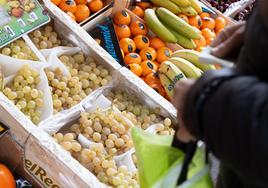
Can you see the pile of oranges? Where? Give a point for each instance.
(209, 28)
(142, 53)
(79, 10)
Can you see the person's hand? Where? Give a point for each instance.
(228, 40)
(180, 92)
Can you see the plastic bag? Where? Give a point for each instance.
(52, 55)
(160, 164)
(10, 72)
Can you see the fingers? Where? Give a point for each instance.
(180, 91)
(230, 44)
(226, 33)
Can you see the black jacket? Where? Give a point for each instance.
(228, 110)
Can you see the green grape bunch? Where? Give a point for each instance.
(23, 92)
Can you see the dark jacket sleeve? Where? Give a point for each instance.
(229, 112)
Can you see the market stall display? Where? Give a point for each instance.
(81, 10)
(70, 106)
(108, 132)
(146, 43)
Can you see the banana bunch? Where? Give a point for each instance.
(168, 26)
(183, 64)
(187, 7)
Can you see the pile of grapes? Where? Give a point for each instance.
(221, 5)
(245, 14)
(23, 92)
(109, 130)
(19, 50)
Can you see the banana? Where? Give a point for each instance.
(181, 3)
(172, 71)
(193, 57)
(177, 23)
(186, 67)
(168, 5)
(157, 27)
(196, 6)
(182, 40)
(167, 85)
(188, 11)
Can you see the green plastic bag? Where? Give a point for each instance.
(160, 164)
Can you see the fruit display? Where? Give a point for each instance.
(24, 93)
(245, 14)
(109, 133)
(45, 38)
(79, 10)
(85, 76)
(183, 64)
(20, 50)
(83, 104)
(147, 46)
(17, 8)
(224, 6)
(190, 31)
(142, 53)
(221, 5)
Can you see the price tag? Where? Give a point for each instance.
(19, 17)
(3, 129)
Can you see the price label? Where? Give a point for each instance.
(3, 129)
(19, 17)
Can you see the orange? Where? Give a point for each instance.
(151, 78)
(158, 88)
(68, 6)
(122, 31)
(138, 28)
(81, 2)
(163, 54)
(200, 42)
(132, 58)
(209, 40)
(219, 23)
(138, 11)
(157, 64)
(6, 178)
(141, 42)
(71, 15)
(199, 49)
(156, 43)
(148, 54)
(127, 45)
(195, 21)
(144, 5)
(204, 14)
(148, 67)
(207, 33)
(82, 12)
(218, 31)
(56, 2)
(136, 69)
(208, 23)
(95, 5)
(122, 18)
(184, 17)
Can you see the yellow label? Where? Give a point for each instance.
(40, 174)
